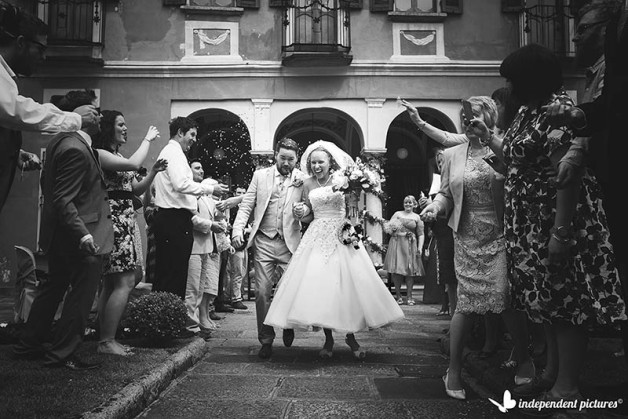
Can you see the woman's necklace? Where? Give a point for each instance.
(324, 184)
(477, 152)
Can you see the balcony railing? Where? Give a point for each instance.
(75, 28)
(551, 26)
(316, 32)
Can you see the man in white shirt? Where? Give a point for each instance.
(22, 47)
(176, 195)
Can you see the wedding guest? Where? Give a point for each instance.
(76, 233)
(123, 185)
(444, 245)
(562, 275)
(148, 202)
(238, 261)
(600, 114)
(471, 195)
(23, 42)
(204, 266)
(276, 233)
(404, 255)
(320, 286)
(175, 198)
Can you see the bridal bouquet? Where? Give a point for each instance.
(350, 234)
(390, 227)
(358, 177)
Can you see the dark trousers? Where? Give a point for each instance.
(66, 268)
(173, 242)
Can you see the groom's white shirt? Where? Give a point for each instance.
(256, 201)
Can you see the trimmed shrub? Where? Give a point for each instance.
(158, 316)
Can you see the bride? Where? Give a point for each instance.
(329, 284)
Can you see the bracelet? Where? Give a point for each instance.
(487, 141)
(146, 139)
(559, 240)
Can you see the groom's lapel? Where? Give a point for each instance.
(270, 183)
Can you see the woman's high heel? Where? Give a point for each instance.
(454, 394)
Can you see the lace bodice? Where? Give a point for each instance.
(477, 183)
(329, 214)
(327, 204)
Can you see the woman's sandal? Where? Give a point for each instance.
(112, 347)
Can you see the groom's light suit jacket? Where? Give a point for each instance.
(256, 201)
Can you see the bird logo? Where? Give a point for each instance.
(206, 40)
(508, 402)
(420, 42)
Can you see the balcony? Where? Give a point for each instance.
(316, 33)
(551, 26)
(75, 29)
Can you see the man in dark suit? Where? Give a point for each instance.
(607, 115)
(607, 112)
(76, 231)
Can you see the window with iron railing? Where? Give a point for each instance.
(551, 25)
(316, 26)
(75, 27)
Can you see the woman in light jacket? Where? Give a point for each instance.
(472, 196)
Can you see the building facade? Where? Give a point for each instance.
(254, 71)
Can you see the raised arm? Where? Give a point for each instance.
(442, 137)
(110, 161)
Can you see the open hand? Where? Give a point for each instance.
(160, 165)
(151, 134)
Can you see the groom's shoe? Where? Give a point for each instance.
(266, 351)
(288, 337)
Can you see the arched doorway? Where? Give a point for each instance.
(312, 124)
(223, 147)
(410, 157)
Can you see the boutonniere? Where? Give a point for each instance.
(297, 181)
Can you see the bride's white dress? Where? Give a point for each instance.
(327, 283)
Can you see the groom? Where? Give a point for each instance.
(275, 234)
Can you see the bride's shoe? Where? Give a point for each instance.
(327, 351)
(454, 394)
(357, 352)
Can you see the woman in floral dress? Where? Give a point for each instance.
(403, 257)
(123, 183)
(560, 260)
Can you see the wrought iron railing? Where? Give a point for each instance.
(72, 21)
(317, 26)
(551, 26)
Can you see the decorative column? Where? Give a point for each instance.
(261, 139)
(374, 205)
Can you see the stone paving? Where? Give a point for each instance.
(400, 378)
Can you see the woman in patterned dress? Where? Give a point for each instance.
(560, 261)
(122, 184)
(472, 195)
(403, 257)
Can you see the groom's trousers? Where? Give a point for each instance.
(270, 258)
